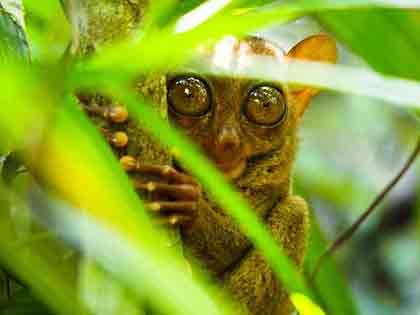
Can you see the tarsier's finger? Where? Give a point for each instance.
(187, 207)
(178, 191)
(169, 173)
(118, 139)
(115, 114)
(173, 220)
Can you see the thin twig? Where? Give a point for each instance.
(8, 289)
(7, 284)
(347, 234)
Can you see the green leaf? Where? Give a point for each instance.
(305, 306)
(332, 289)
(387, 39)
(23, 304)
(162, 13)
(13, 42)
(11, 166)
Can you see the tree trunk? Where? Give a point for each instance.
(94, 23)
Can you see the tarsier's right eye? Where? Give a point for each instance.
(189, 96)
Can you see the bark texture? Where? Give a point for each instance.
(95, 23)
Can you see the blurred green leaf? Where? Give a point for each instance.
(305, 306)
(23, 304)
(160, 13)
(13, 42)
(332, 289)
(11, 166)
(47, 30)
(43, 279)
(189, 33)
(391, 43)
(387, 39)
(120, 212)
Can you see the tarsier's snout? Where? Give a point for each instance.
(228, 152)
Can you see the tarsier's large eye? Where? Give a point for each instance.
(189, 96)
(265, 105)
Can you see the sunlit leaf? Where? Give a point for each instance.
(305, 306)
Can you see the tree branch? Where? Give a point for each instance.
(346, 235)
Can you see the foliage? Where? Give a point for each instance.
(38, 111)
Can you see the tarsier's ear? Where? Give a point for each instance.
(321, 48)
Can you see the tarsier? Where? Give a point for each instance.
(249, 129)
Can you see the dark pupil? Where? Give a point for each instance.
(188, 96)
(265, 106)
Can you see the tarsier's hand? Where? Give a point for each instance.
(175, 194)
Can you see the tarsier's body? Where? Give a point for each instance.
(249, 129)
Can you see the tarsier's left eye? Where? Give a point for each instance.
(265, 105)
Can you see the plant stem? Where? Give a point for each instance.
(347, 234)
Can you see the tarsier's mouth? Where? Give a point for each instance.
(230, 170)
(233, 170)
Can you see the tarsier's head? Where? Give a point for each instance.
(237, 119)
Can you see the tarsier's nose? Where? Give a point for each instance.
(228, 144)
(227, 151)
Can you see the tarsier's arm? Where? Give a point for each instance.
(249, 277)
(252, 282)
(214, 239)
